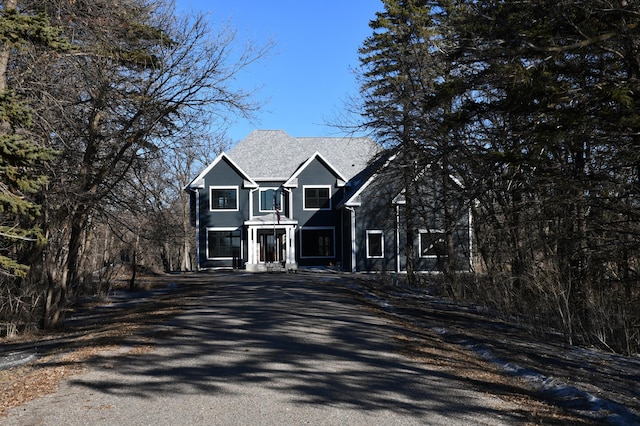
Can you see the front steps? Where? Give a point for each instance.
(271, 267)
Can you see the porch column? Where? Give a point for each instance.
(291, 246)
(252, 243)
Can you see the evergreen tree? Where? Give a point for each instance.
(407, 100)
(534, 105)
(19, 181)
(555, 123)
(20, 173)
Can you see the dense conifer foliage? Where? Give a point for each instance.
(533, 106)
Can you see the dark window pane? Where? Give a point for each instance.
(432, 244)
(374, 244)
(266, 199)
(317, 243)
(224, 199)
(316, 198)
(224, 243)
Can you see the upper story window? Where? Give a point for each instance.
(224, 198)
(317, 197)
(270, 199)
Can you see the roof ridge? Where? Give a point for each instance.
(267, 153)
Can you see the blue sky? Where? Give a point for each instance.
(309, 75)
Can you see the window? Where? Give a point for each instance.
(269, 197)
(317, 242)
(224, 198)
(375, 244)
(223, 243)
(317, 198)
(432, 243)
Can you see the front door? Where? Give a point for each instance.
(272, 247)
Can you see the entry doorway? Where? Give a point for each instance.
(272, 246)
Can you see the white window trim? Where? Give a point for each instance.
(260, 191)
(224, 229)
(375, 232)
(427, 231)
(237, 189)
(304, 198)
(318, 228)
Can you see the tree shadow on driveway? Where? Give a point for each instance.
(301, 340)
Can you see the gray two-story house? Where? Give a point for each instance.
(278, 202)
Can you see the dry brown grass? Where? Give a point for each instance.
(433, 352)
(468, 367)
(82, 344)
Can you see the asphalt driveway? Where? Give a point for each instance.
(268, 349)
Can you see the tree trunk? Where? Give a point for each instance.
(53, 303)
(78, 224)
(185, 265)
(134, 269)
(410, 231)
(165, 256)
(134, 262)
(5, 50)
(60, 288)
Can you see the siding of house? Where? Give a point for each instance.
(222, 175)
(377, 213)
(431, 263)
(317, 174)
(381, 211)
(346, 215)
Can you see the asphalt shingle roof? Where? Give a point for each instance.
(275, 155)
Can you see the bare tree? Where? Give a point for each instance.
(139, 81)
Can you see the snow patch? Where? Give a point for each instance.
(566, 395)
(16, 359)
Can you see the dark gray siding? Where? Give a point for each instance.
(222, 175)
(346, 215)
(378, 212)
(318, 174)
(461, 243)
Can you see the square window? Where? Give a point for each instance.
(432, 243)
(317, 242)
(224, 198)
(375, 244)
(223, 244)
(317, 198)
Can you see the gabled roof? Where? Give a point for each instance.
(352, 198)
(370, 175)
(275, 155)
(317, 156)
(198, 182)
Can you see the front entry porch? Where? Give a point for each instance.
(271, 245)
